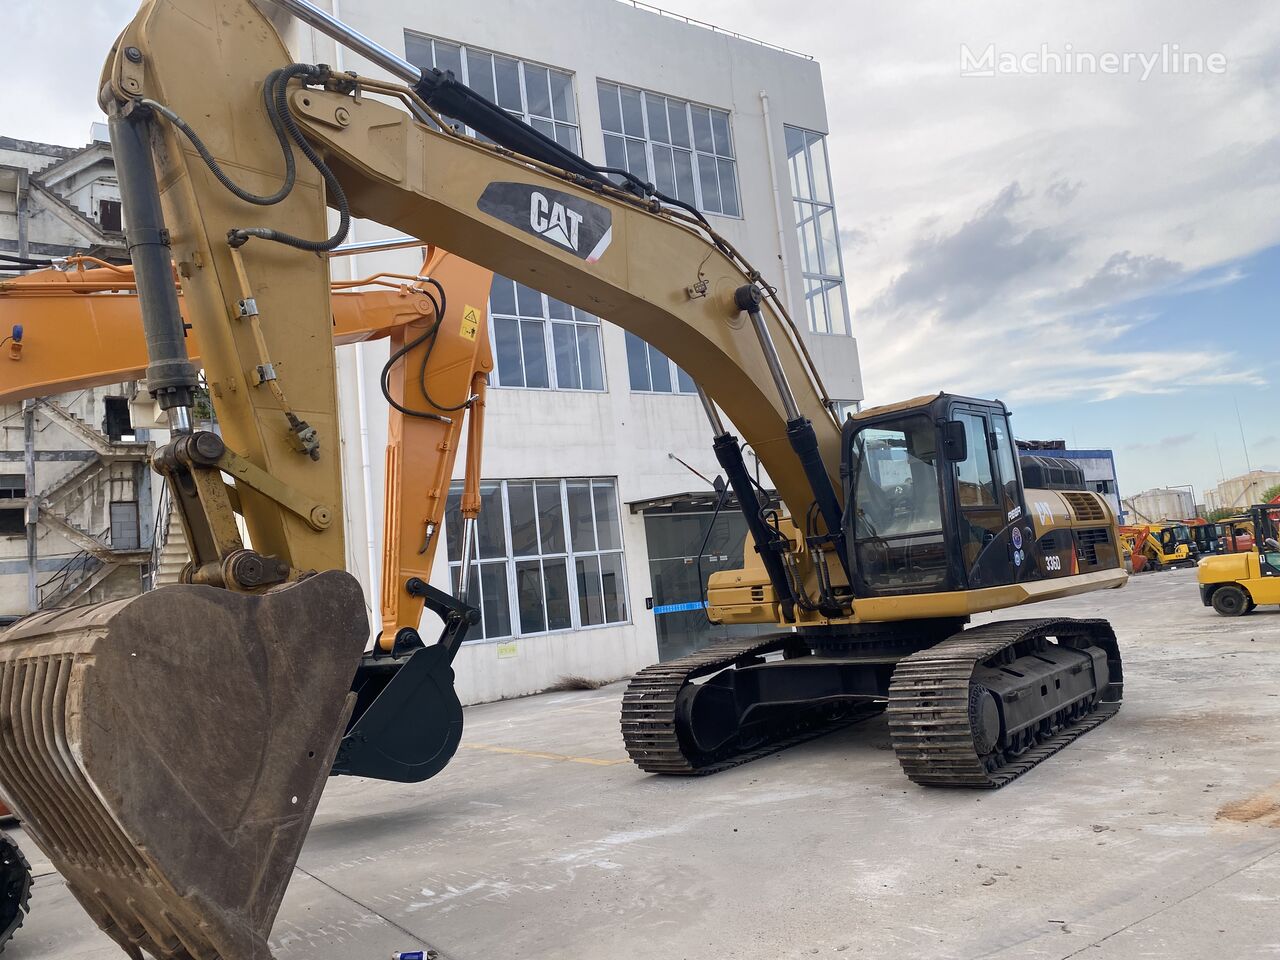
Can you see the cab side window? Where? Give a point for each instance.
(975, 483)
(1006, 459)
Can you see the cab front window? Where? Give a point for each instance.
(897, 509)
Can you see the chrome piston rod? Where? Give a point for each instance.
(336, 30)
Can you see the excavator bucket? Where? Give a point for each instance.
(167, 752)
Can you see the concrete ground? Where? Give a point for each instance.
(1156, 835)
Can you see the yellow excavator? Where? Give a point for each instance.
(167, 752)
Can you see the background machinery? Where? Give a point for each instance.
(1236, 583)
(899, 524)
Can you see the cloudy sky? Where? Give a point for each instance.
(1100, 251)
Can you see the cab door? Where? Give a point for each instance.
(995, 539)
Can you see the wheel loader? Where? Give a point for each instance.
(169, 751)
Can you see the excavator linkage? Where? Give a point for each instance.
(168, 752)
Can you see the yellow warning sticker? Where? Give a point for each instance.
(470, 322)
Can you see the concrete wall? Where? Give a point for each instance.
(566, 434)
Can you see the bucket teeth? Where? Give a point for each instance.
(167, 752)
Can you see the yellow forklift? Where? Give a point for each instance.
(1234, 584)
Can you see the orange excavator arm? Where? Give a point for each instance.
(80, 327)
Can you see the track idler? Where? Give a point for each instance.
(167, 752)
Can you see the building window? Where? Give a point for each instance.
(13, 520)
(541, 342)
(109, 216)
(684, 149)
(540, 96)
(549, 555)
(815, 211)
(651, 371)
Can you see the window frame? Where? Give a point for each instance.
(569, 555)
(525, 114)
(823, 278)
(548, 340)
(716, 158)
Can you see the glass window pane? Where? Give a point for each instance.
(567, 136)
(702, 138)
(615, 152)
(544, 127)
(664, 170)
(827, 237)
(608, 530)
(975, 485)
(610, 111)
(495, 599)
(684, 176)
(728, 187)
(502, 296)
(417, 50)
(491, 539)
(820, 167)
(835, 306)
(798, 162)
(638, 363)
(581, 525)
(565, 345)
(520, 509)
(632, 113)
(589, 356)
(720, 132)
(636, 161)
(709, 183)
(533, 340)
(449, 57)
(507, 72)
(590, 599)
(537, 90)
(558, 309)
(659, 370)
(562, 106)
(678, 115)
(550, 517)
(529, 596)
(480, 73)
(614, 583)
(506, 345)
(583, 317)
(817, 306)
(656, 108)
(555, 576)
(806, 220)
(685, 382)
(530, 301)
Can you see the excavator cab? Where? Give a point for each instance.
(936, 498)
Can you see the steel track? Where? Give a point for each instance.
(649, 708)
(929, 703)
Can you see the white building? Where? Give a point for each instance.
(590, 440)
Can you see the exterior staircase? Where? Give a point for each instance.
(97, 558)
(172, 553)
